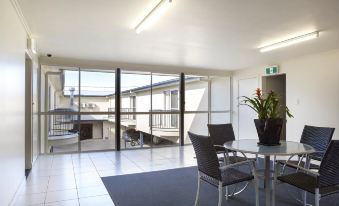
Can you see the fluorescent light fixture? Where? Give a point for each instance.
(153, 15)
(291, 41)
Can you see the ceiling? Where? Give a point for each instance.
(213, 34)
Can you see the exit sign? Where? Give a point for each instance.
(272, 70)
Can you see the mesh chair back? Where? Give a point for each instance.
(221, 133)
(206, 156)
(317, 137)
(329, 167)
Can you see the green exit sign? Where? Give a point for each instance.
(272, 70)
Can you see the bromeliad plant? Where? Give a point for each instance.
(267, 106)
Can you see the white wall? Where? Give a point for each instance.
(12, 104)
(35, 118)
(312, 91)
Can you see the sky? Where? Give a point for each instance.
(103, 83)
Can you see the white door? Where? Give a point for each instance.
(246, 128)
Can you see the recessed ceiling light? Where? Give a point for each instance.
(291, 41)
(153, 15)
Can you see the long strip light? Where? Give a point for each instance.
(291, 41)
(153, 15)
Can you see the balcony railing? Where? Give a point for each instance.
(166, 120)
(159, 120)
(123, 116)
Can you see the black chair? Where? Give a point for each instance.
(211, 172)
(321, 184)
(221, 133)
(318, 138)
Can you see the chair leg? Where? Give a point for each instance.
(256, 189)
(304, 198)
(274, 185)
(220, 194)
(225, 159)
(255, 183)
(198, 191)
(317, 197)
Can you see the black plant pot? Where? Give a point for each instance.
(269, 131)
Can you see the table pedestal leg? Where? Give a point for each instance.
(267, 181)
(304, 193)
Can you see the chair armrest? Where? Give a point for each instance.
(303, 169)
(315, 155)
(249, 162)
(219, 146)
(219, 149)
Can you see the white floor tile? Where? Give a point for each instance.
(61, 186)
(88, 183)
(107, 173)
(104, 200)
(56, 196)
(33, 189)
(64, 203)
(30, 199)
(92, 191)
(84, 170)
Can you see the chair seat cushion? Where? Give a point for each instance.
(295, 162)
(307, 183)
(229, 177)
(233, 159)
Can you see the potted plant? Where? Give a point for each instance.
(270, 121)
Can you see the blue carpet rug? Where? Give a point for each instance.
(177, 187)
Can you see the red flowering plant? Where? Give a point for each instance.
(265, 105)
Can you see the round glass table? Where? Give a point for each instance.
(286, 148)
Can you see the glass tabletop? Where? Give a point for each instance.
(285, 148)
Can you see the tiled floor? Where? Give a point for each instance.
(74, 179)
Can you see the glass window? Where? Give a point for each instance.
(59, 88)
(220, 100)
(150, 105)
(220, 118)
(165, 105)
(133, 106)
(135, 92)
(62, 134)
(136, 133)
(220, 94)
(196, 93)
(196, 123)
(97, 90)
(96, 132)
(59, 100)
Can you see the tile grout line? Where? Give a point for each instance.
(75, 179)
(133, 162)
(100, 178)
(49, 178)
(96, 169)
